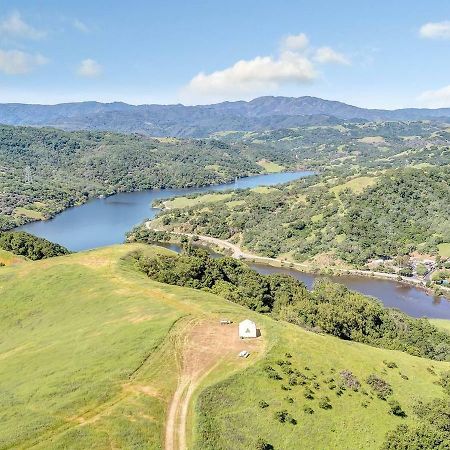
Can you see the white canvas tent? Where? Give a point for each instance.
(247, 329)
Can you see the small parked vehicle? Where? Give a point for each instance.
(244, 354)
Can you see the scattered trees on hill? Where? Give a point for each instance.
(404, 210)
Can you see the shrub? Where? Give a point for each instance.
(381, 388)
(423, 436)
(272, 373)
(283, 417)
(444, 381)
(324, 403)
(263, 404)
(436, 412)
(261, 444)
(350, 380)
(308, 394)
(390, 364)
(396, 409)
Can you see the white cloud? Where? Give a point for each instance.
(248, 77)
(295, 63)
(80, 26)
(15, 26)
(89, 68)
(16, 62)
(435, 30)
(325, 55)
(439, 98)
(295, 42)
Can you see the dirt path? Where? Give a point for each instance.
(205, 345)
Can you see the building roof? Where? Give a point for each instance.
(247, 322)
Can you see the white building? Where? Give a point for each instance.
(247, 329)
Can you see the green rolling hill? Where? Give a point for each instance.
(93, 352)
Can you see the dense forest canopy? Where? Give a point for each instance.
(383, 214)
(43, 171)
(329, 308)
(32, 247)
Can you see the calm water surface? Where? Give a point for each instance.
(103, 222)
(409, 299)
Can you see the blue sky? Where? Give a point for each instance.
(377, 54)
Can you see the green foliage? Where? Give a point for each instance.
(381, 387)
(284, 417)
(143, 234)
(69, 168)
(324, 403)
(420, 437)
(396, 409)
(227, 277)
(262, 444)
(405, 208)
(32, 247)
(330, 307)
(444, 381)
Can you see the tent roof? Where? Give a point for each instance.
(247, 322)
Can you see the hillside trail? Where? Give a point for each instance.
(204, 347)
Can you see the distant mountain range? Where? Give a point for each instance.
(199, 121)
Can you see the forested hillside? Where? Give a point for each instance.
(263, 113)
(43, 171)
(350, 146)
(379, 215)
(32, 247)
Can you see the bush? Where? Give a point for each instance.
(324, 403)
(309, 394)
(444, 381)
(263, 404)
(350, 380)
(285, 417)
(420, 437)
(308, 410)
(381, 388)
(261, 444)
(396, 409)
(390, 364)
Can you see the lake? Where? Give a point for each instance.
(105, 221)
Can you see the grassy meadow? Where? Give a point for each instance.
(271, 167)
(185, 202)
(9, 259)
(90, 357)
(444, 250)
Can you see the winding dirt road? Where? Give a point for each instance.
(203, 348)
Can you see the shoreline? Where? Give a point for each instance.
(83, 200)
(238, 253)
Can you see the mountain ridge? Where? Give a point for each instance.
(179, 120)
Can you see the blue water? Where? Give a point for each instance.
(409, 299)
(105, 221)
